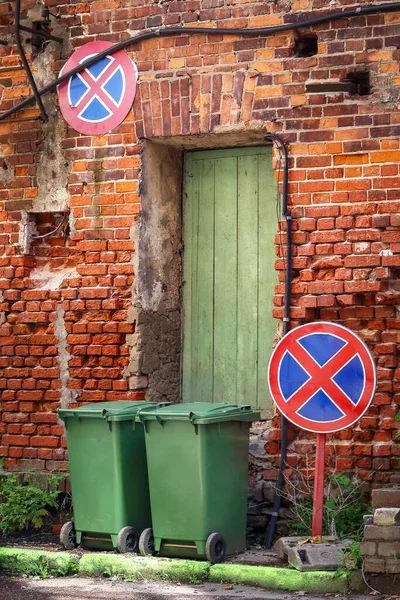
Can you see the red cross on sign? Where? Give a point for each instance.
(322, 377)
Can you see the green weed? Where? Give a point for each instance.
(24, 505)
(352, 557)
(344, 509)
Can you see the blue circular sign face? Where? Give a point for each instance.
(322, 377)
(98, 98)
(99, 89)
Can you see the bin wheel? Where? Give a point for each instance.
(215, 548)
(146, 542)
(68, 536)
(127, 540)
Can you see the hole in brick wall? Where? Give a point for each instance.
(48, 234)
(305, 45)
(46, 237)
(359, 83)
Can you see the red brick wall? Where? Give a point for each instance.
(344, 192)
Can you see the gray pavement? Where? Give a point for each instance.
(18, 588)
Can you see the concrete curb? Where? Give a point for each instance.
(38, 562)
(137, 568)
(279, 579)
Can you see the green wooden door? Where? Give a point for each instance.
(229, 223)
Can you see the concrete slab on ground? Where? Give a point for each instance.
(258, 556)
(306, 556)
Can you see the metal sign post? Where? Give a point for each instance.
(318, 505)
(322, 377)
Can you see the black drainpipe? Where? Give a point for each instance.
(286, 326)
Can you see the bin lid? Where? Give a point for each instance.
(121, 410)
(199, 413)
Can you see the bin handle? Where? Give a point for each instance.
(139, 416)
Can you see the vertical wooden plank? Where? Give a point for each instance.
(227, 320)
(247, 280)
(225, 280)
(203, 371)
(194, 337)
(190, 210)
(268, 215)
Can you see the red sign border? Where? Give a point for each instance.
(361, 349)
(70, 113)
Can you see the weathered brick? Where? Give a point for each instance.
(386, 498)
(368, 549)
(392, 565)
(374, 565)
(374, 532)
(389, 549)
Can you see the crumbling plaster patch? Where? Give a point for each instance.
(156, 343)
(44, 278)
(66, 396)
(223, 136)
(2, 313)
(53, 169)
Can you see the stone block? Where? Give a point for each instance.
(138, 382)
(389, 550)
(317, 557)
(386, 498)
(368, 548)
(393, 565)
(374, 532)
(374, 565)
(284, 544)
(326, 556)
(387, 517)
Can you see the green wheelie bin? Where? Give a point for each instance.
(108, 470)
(197, 457)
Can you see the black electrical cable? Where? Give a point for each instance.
(17, 29)
(46, 235)
(366, 10)
(286, 325)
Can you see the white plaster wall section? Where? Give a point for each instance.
(25, 231)
(132, 370)
(44, 278)
(2, 314)
(53, 169)
(66, 396)
(155, 346)
(6, 173)
(72, 225)
(159, 242)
